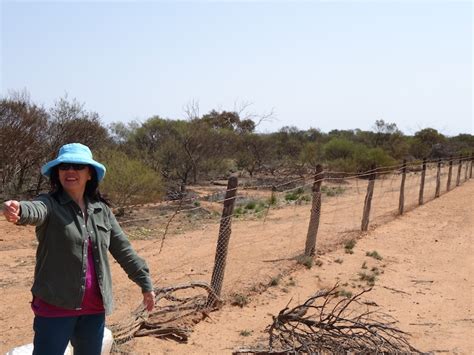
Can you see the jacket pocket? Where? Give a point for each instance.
(103, 233)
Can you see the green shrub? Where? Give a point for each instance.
(332, 190)
(129, 181)
(250, 205)
(365, 158)
(305, 260)
(272, 200)
(374, 255)
(294, 195)
(369, 278)
(291, 196)
(349, 245)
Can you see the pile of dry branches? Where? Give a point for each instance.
(177, 309)
(327, 323)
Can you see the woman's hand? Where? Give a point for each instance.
(11, 211)
(149, 300)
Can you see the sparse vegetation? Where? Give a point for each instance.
(272, 200)
(376, 270)
(298, 196)
(250, 205)
(141, 233)
(332, 191)
(369, 278)
(374, 254)
(364, 265)
(344, 293)
(349, 245)
(274, 281)
(318, 262)
(239, 300)
(339, 261)
(245, 333)
(305, 260)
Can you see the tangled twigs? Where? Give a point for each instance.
(327, 323)
(177, 308)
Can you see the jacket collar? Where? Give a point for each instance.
(92, 206)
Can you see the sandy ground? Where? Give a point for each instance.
(426, 283)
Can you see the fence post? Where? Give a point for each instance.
(368, 199)
(458, 178)
(310, 247)
(467, 168)
(450, 171)
(438, 179)
(422, 183)
(401, 201)
(472, 161)
(223, 241)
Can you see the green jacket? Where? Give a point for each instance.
(61, 257)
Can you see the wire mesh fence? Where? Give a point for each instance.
(239, 240)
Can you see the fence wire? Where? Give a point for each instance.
(265, 235)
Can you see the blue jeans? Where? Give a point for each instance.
(53, 334)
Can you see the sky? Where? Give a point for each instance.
(311, 64)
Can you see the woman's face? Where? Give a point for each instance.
(74, 177)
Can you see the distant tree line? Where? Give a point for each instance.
(162, 156)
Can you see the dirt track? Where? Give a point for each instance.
(427, 281)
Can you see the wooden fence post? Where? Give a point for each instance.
(401, 201)
(310, 247)
(223, 241)
(458, 177)
(467, 168)
(472, 161)
(450, 171)
(438, 179)
(422, 183)
(368, 199)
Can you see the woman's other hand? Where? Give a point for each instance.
(149, 300)
(11, 211)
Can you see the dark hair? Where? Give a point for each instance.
(92, 186)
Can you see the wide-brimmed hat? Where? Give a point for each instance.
(75, 153)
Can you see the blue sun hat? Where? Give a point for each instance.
(75, 153)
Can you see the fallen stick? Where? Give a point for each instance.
(395, 290)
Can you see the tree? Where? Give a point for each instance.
(228, 120)
(69, 122)
(428, 143)
(22, 138)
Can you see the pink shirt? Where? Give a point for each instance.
(91, 303)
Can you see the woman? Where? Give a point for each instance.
(75, 228)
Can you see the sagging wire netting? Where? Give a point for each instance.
(265, 235)
(177, 309)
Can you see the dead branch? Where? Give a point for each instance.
(327, 323)
(177, 308)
